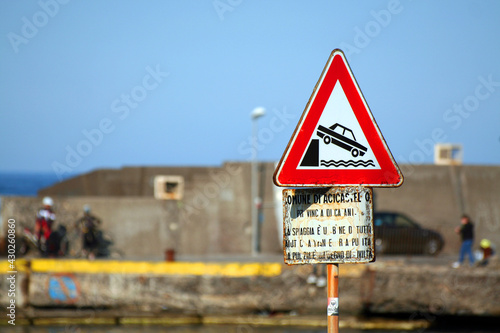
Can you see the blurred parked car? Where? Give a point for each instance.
(395, 233)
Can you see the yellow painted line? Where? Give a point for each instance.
(162, 320)
(73, 321)
(253, 320)
(164, 268)
(19, 322)
(20, 265)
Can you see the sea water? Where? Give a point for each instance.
(16, 183)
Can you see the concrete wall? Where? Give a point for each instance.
(222, 288)
(214, 214)
(436, 197)
(146, 228)
(212, 217)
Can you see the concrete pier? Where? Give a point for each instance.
(155, 291)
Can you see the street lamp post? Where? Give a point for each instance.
(256, 113)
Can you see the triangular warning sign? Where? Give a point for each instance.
(337, 141)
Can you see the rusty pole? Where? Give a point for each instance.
(333, 298)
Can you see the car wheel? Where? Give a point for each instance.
(355, 152)
(432, 247)
(380, 246)
(326, 139)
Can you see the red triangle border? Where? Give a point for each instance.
(287, 174)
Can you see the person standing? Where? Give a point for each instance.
(88, 225)
(466, 232)
(45, 218)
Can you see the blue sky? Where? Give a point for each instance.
(106, 84)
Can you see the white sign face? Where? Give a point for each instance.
(341, 141)
(337, 141)
(330, 225)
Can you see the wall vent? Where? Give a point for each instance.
(448, 154)
(169, 187)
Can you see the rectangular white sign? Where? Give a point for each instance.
(329, 225)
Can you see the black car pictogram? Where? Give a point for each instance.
(343, 137)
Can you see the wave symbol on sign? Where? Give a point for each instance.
(350, 163)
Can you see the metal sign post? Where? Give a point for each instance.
(333, 298)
